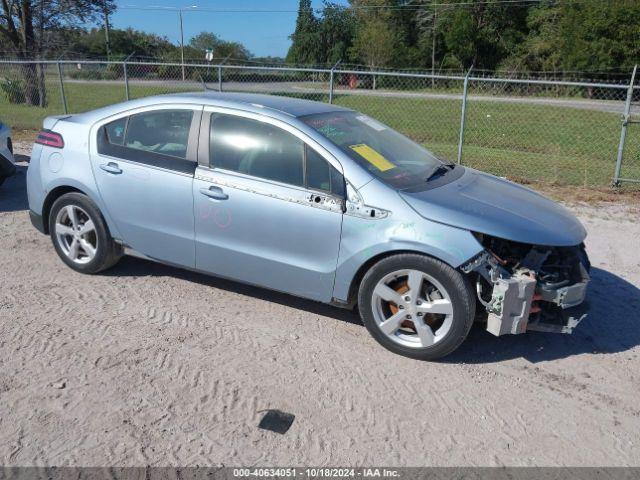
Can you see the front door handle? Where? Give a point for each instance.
(214, 192)
(111, 167)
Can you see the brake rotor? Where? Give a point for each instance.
(429, 318)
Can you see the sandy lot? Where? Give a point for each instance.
(149, 365)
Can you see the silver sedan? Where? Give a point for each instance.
(313, 200)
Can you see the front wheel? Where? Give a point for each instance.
(80, 235)
(416, 306)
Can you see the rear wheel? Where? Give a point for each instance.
(80, 235)
(416, 306)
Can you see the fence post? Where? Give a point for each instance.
(331, 81)
(331, 86)
(463, 115)
(220, 71)
(623, 131)
(126, 75)
(126, 80)
(62, 95)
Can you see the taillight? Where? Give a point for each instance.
(50, 139)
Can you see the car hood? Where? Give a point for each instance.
(486, 204)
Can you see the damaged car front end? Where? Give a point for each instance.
(532, 272)
(529, 287)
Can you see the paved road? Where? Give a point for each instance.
(322, 89)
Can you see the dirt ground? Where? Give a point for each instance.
(150, 365)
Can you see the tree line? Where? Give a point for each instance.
(587, 36)
(39, 29)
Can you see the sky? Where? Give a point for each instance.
(263, 33)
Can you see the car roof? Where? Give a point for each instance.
(273, 105)
(296, 107)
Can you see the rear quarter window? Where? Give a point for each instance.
(114, 131)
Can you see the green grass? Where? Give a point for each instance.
(527, 142)
(81, 97)
(520, 141)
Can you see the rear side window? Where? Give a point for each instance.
(159, 138)
(256, 148)
(165, 132)
(115, 131)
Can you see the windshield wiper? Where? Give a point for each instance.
(440, 170)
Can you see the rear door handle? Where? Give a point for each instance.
(111, 167)
(214, 192)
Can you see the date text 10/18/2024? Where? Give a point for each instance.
(325, 472)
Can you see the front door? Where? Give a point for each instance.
(268, 209)
(144, 165)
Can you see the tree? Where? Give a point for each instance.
(482, 34)
(305, 47)
(24, 23)
(337, 29)
(221, 48)
(591, 36)
(123, 43)
(427, 26)
(205, 41)
(375, 44)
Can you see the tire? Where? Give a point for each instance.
(448, 330)
(106, 252)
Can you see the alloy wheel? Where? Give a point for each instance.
(412, 308)
(76, 234)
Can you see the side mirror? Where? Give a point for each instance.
(353, 201)
(354, 205)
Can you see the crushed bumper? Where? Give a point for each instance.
(565, 297)
(524, 304)
(520, 301)
(566, 320)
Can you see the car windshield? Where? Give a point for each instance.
(390, 156)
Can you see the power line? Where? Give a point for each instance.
(197, 8)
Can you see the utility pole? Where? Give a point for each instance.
(181, 44)
(106, 32)
(433, 45)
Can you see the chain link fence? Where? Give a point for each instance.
(524, 129)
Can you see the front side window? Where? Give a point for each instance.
(321, 175)
(387, 154)
(256, 148)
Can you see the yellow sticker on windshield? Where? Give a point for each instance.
(373, 157)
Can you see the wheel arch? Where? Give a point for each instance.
(354, 286)
(70, 187)
(49, 200)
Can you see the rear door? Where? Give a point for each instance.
(268, 205)
(144, 162)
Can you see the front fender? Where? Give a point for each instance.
(403, 230)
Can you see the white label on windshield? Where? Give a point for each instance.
(378, 127)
